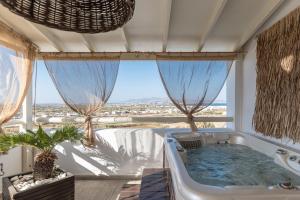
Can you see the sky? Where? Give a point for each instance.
(136, 80)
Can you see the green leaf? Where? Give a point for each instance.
(66, 133)
(39, 139)
(43, 139)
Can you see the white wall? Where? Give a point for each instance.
(12, 163)
(246, 104)
(122, 152)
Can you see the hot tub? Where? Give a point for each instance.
(221, 170)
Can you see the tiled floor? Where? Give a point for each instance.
(99, 189)
(154, 187)
(130, 192)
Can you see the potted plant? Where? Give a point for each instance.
(44, 161)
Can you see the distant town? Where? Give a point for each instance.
(121, 115)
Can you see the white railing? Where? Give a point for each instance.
(153, 119)
(20, 124)
(181, 119)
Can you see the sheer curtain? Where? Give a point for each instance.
(192, 85)
(16, 60)
(84, 85)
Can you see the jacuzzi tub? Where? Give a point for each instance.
(186, 188)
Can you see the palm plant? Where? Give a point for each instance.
(44, 161)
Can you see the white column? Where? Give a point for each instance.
(27, 110)
(230, 95)
(239, 94)
(27, 152)
(234, 95)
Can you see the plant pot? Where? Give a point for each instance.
(62, 189)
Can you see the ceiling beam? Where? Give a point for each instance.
(212, 22)
(259, 19)
(125, 38)
(142, 55)
(46, 34)
(5, 22)
(7, 26)
(166, 23)
(15, 29)
(87, 43)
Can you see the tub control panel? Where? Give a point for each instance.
(1, 169)
(294, 162)
(288, 160)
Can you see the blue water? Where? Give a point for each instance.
(218, 104)
(232, 164)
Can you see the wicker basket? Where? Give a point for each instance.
(82, 16)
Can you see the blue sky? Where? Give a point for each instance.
(136, 79)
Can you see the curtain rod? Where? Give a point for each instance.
(142, 55)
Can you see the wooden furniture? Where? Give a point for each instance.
(156, 185)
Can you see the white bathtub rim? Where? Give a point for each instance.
(190, 189)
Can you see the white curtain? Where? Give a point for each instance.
(84, 85)
(192, 85)
(16, 60)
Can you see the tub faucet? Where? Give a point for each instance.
(281, 152)
(287, 185)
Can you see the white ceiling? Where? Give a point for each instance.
(161, 25)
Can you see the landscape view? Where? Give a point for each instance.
(135, 113)
(127, 114)
(137, 99)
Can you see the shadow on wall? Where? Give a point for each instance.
(117, 152)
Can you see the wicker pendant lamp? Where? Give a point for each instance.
(82, 16)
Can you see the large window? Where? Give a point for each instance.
(138, 93)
